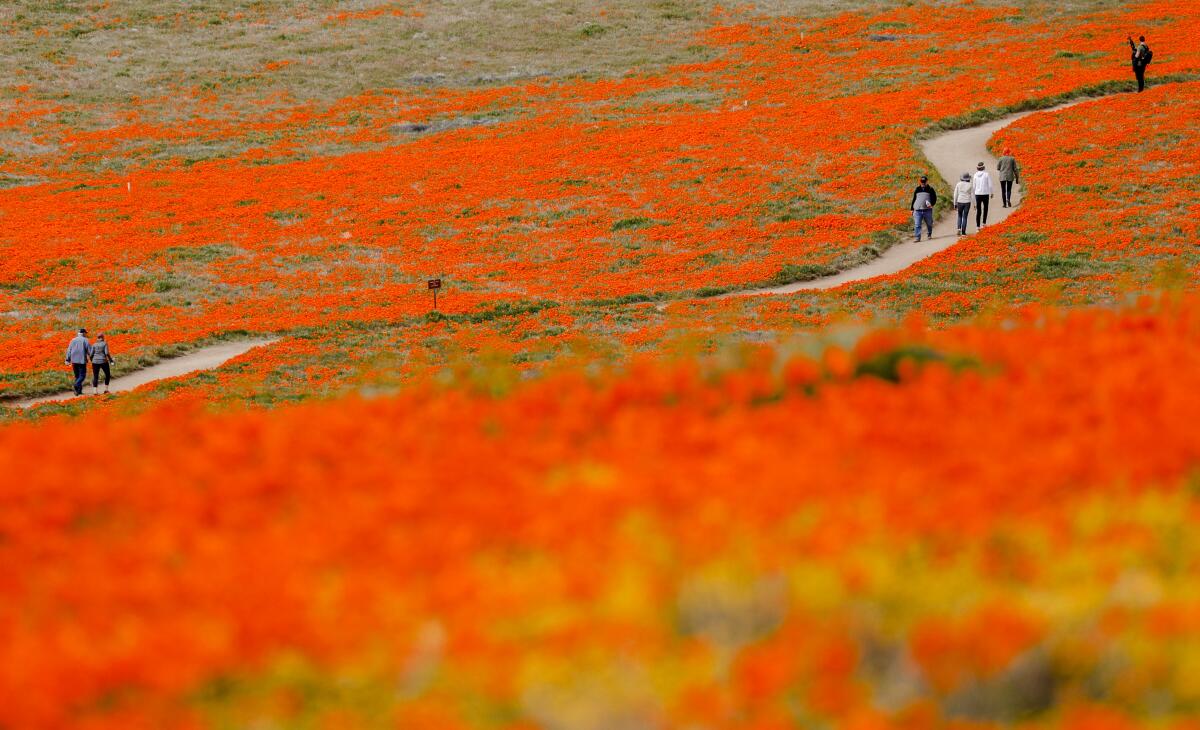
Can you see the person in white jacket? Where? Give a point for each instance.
(962, 201)
(984, 192)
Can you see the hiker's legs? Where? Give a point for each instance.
(981, 210)
(1006, 192)
(917, 224)
(927, 216)
(964, 210)
(1140, 72)
(80, 372)
(96, 369)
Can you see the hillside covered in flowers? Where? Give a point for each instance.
(590, 491)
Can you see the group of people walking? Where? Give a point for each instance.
(82, 351)
(978, 189)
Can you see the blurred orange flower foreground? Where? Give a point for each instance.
(989, 525)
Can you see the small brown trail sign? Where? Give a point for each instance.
(434, 285)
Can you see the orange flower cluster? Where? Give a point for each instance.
(920, 526)
(393, 9)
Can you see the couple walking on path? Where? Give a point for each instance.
(978, 188)
(80, 352)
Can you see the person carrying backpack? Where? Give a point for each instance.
(1141, 57)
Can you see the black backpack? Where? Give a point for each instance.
(1149, 57)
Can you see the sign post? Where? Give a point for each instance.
(434, 285)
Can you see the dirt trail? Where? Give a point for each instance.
(205, 358)
(952, 153)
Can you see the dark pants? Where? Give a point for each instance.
(981, 209)
(1006, 192)
(1140, 72)
(79, 369)
(96, 368)
(964, 210)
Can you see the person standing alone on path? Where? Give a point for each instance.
(962, 201)
(101, 358)
(1009, 175)
(1142, 56)
(984, 192)
(79, 351)
(923, 200)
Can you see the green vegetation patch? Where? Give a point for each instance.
(792, 273)
(199, 254)
(632, 224)
(1063, 266)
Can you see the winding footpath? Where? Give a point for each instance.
(206, 358)
(952, 153)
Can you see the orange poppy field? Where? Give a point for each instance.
(591, 490)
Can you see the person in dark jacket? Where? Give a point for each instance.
(923, 200)
(1141, 59)
(79, 351)
(101, 362)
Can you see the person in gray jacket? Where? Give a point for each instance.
(101, 358)
(1009, 175)
(78, 352)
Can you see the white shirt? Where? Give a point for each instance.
(983, 183)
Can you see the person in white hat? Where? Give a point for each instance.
(962, 201)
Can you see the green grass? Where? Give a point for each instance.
(632, 224)
(792, 273)
(1062, 266)
(199, 254)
